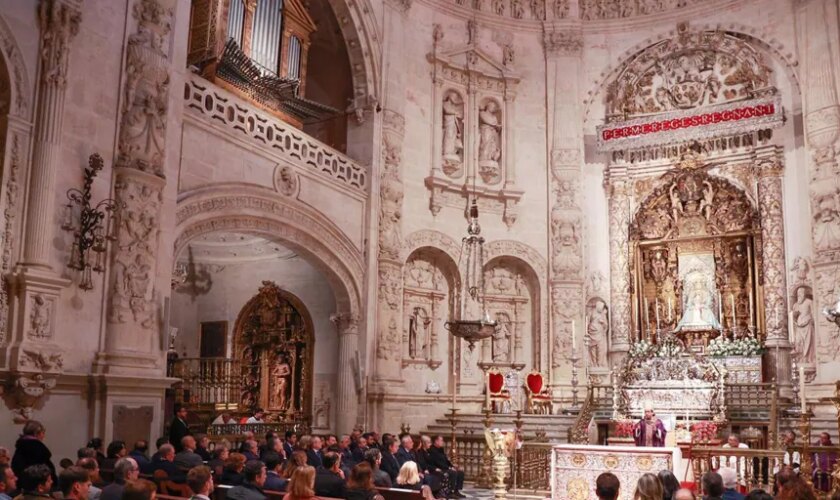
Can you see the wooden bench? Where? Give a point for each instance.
(399, 494)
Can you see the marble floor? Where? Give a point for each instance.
(482, 494)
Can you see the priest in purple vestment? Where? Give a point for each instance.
(649, 431)
(823, 465)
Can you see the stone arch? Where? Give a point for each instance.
(359, 28)
(752, 36)
(431, 238)
(249, 209)
(18, 77)
(536, 269)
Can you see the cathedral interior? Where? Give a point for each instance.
(426, 216)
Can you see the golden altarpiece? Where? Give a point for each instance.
(273, 343)
(695, 259)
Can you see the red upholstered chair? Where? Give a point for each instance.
(499, 396)
(539, 398)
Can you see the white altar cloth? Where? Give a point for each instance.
(574, 468)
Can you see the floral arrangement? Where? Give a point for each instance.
(704, 431)
(624, 428)
(644, 349)
(745, 346)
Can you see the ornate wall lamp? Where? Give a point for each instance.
(92, 226)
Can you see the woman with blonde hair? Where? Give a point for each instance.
(298, 459)
(649, 487)
(409, 478)
(302, 484)
(303, 442)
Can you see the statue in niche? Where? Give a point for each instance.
(417, 322)
(676, 203)
(516, 9)
(453, 132)
(659, 265)
(699, 312)
(490, 146)
(281, 373)
(826, 222)
(501, 339)
(803, 326)
(597, 329)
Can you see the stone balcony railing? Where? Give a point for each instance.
(221, 109)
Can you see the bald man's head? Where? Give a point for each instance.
(684, 494)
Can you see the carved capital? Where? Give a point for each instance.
(563, 43)
(346, 323)
(59, 21)
(771, 167)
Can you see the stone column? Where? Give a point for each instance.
(563, 50)
(132, 344)
(34, 357)
(619, 217)
(59, 22)
(390, 265)
(770, 207)
(345, 393)
(818, 43)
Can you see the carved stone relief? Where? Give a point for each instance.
(566, 305)
(598, 9)
(490, 141)
(773, 251)
(619, 217)
(9, 231)
(40, 318)
(286, 181)
(429, 287)
(597, 332)
(453, 134)
(692, 69)
(509, 300)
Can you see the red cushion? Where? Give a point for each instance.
(495, 382)
(535, 382)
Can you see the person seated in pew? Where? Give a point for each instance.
(92, 468)
(427, 473)
(140, 453)
(373, 457)
(74, 483)
(8, 482)
(360, 486)
(409, 477)
(298, 459)
(160, 442)
(125, 470)
(405, 453)
(289, 443)
(360, 449)
(252, 487)
(217, 461)
(165, 462)
(390, 464)
(329, 479)
(187, 458)
(273, 465)
(344, 451)
(200, 481)
(232, 474)
(202, 442)
(139, 489)
(440, 462)
(302, 484)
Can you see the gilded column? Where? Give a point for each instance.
(770, 207)
(563, 51)
(346, 389)
(619, 217)
(819, 42)
(132, 344)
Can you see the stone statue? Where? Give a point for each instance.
(597, 329)
(676, 202)
(803, 326)
(39, 318)
(707, 200)
(490, 146)
(281, 372)
(826, 222)
(501, 340)
(412, 335)
(453, 129)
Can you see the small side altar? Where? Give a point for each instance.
(574, 468)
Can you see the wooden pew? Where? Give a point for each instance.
(400, 494)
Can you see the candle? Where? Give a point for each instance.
(790, 327)
(487, 391)
(574, 339)
(670, 309)
(804, 407)
(720, 308)
(656, 305)
(647, 317)
(751, 308)
(732, 303)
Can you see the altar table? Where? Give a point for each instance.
(574, 468)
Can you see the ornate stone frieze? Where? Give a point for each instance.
(146, 92)
(619, 217)
(690, 70)
(618, 9)
(563, 43)
(35, 376)
(389, 295)
(773, 251)
(133, 272)
(9, 231)
(59, 21)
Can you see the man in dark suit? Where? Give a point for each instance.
(251, 487)
(360, 449)
(187, 458)
(289, 443)
(179, 428)
(313, 454)
(202, 442)
(344, 451)
(140, 453)
(380, 477)
(165, 462)
(125, 470)
(405, 453)
(273, 466)
(390, 464)
(329, 479)
(440, 462)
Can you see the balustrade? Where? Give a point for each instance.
(209, 380)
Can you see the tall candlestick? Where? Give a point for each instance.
(720, 308)
(574, 338)
(752, 322)
(670, 309)
(802, 404)
(732, 303)
(656, 305)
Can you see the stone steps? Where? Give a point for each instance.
(555, 427)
